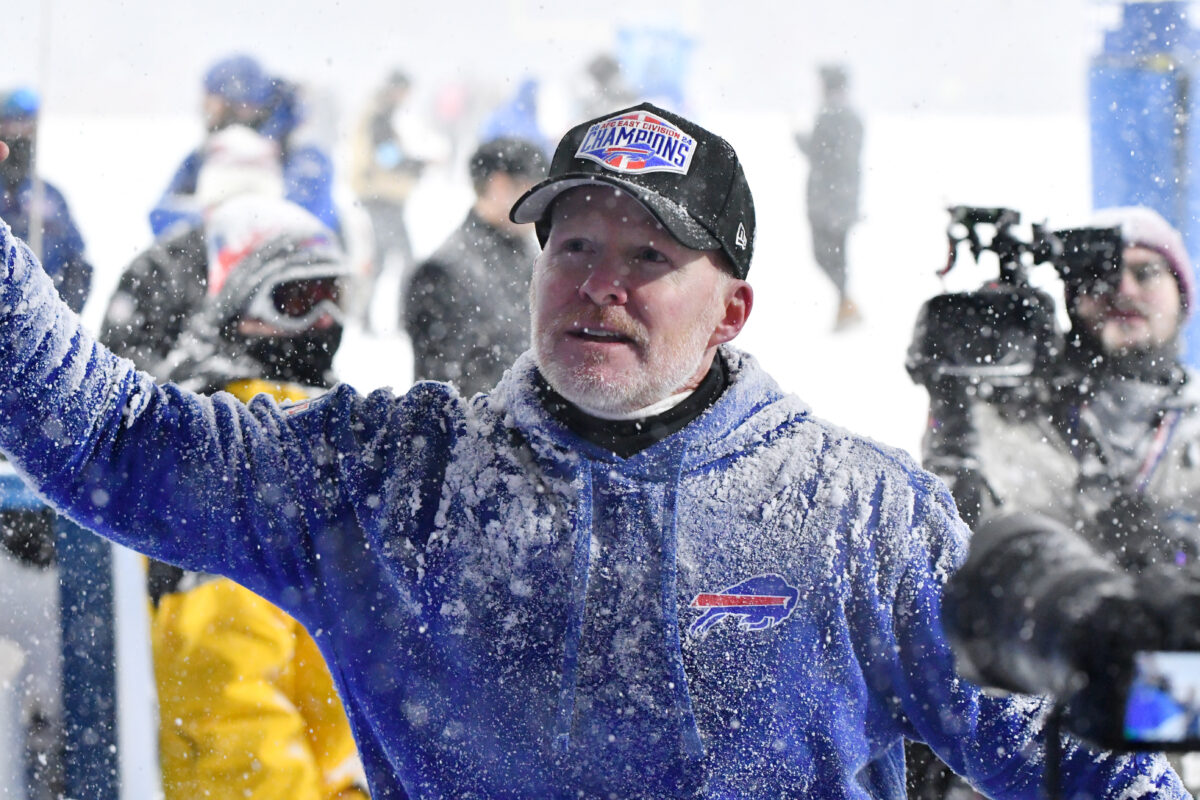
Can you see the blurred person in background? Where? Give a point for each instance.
(834, 149)
(518, 117)
(603, 87)
(28, 568)
(466, 307)
(61, 244)
(247, 302)
(237, 91)
(1107, 446)
(165, 285)
(384, 176)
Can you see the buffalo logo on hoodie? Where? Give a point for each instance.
(757, 604)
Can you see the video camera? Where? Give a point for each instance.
(1003, 336)
(1037, 609)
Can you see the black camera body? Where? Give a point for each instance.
(1037, 609)
(1004, 335)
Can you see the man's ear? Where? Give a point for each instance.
(739, 299)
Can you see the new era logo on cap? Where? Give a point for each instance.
(638, 142)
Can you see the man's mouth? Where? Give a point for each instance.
(592, 334)
(1124, 314)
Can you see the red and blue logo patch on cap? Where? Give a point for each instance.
(638, 142)
(757, 604)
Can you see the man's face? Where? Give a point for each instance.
(217, 112)
(623, 314)
(500, 192)
(1142, 312)
(19, 136)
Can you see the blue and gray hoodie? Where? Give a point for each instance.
(746, 609)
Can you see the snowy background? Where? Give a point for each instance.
(981, 103)
(964, 103)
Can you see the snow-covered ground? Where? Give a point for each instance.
(113, 168)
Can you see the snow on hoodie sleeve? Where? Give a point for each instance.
(207, 483)
(996, 742)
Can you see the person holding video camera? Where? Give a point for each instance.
(1104, 436)
(1112, 424)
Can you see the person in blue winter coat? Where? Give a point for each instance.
(636, 568)
(62, 250)
(238, 91)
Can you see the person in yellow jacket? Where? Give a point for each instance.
(247, 705)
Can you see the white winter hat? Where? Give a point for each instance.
(238, 160)
(1144, 227)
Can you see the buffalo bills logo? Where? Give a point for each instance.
(295, 407)
(757, 603)
(638, 142)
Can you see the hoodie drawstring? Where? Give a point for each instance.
(692, 743)
(581, 562)
(575, 616)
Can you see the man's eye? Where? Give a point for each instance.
(650, 254)
(575, 246)
(1145, 273)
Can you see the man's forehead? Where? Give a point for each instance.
(1140, 254)
(604, 200)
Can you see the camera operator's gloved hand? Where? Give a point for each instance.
(1141, 534)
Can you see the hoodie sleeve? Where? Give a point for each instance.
(205, 483)
(996, 742)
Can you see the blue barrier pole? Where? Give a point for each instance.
(89, 663)
(89, 694)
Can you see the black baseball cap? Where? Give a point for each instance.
(689, 178)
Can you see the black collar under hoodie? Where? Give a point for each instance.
(627, 437)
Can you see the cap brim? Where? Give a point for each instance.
(534, 205)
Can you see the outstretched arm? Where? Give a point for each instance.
(199, 482)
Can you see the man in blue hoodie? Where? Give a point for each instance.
(636, 568)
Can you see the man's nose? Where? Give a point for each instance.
(1129, 283)
(605, 284)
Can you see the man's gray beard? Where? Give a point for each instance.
(584, 387)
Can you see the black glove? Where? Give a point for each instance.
(1141, 534)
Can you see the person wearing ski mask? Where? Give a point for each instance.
(247, 702)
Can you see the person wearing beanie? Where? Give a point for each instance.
(1107, 441)
(238, 91)
(29, 574)
(1134, 327)
(636, 567)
